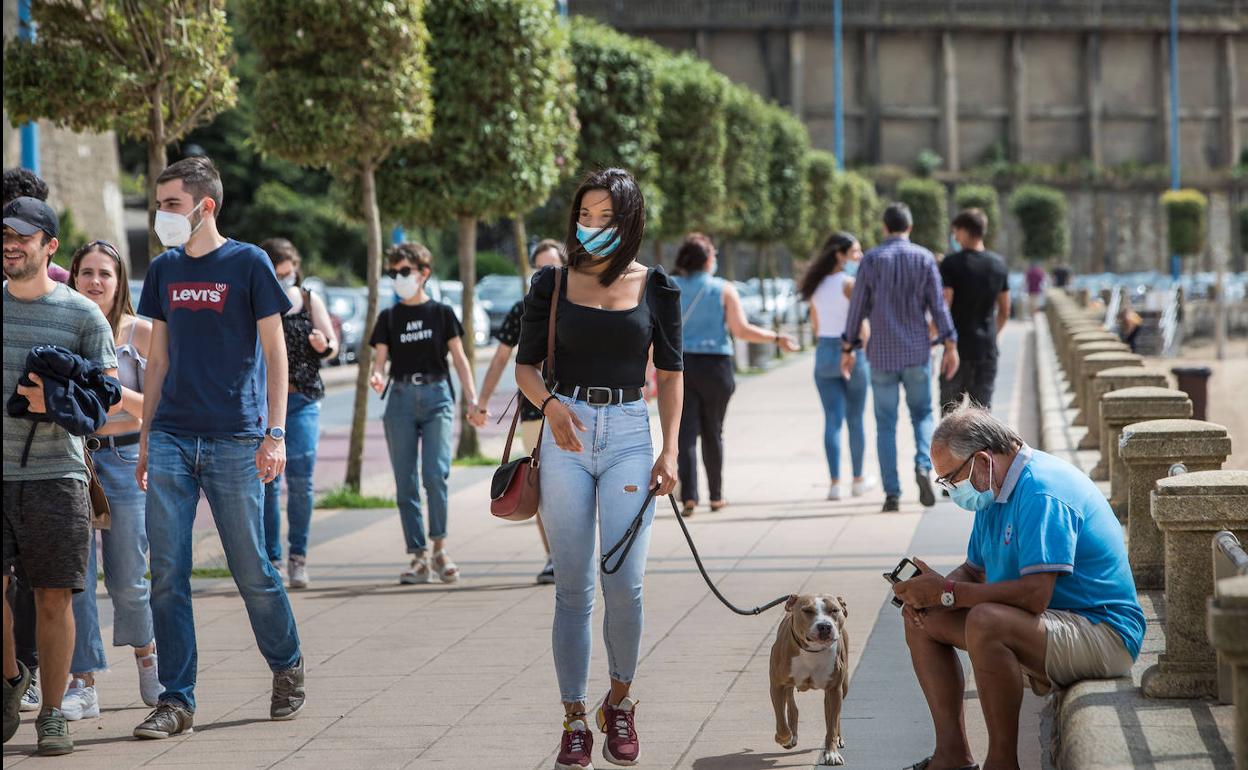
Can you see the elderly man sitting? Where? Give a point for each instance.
(1045, 591)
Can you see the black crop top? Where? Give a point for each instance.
(603, 348)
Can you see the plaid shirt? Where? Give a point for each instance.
(897, 285)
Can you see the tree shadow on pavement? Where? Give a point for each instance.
(747, 759)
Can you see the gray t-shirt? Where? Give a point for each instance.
(61, 317)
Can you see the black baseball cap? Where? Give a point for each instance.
(29, 215)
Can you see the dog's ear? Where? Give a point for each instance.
(844, 607)
(788, 604)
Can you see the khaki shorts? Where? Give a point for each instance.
(1079, 649)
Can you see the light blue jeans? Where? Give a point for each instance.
(917, 381)
(125, 566)
(178, 467)
(303, 430)
(606, 483)
(420, 417)
(844, 401)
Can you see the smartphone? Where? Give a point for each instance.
(904, 570)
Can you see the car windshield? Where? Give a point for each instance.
(452, 295)
(500, 288)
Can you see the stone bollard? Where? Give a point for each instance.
(1078, 338)
(1151, 451)
(1090, 412)
(1065, 336)
(1107, 381)
(1125, 407)
(1190, 508)
(1074, 376)
(1228, 633)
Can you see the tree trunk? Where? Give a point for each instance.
(727, 266)
(522, 251)
(157, 159)
(469, 444)
(658, 252)
(359, 412)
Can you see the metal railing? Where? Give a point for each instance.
(1229, 560)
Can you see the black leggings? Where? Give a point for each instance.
(709, 383)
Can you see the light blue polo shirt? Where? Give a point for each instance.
(1050, 517)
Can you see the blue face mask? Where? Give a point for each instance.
(600, 243)
(966, 496)
(954, 246)
(851, 268)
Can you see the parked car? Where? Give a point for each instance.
(497, 295)
(349, 306)
(452, 293)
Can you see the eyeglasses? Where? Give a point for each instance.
(946, 482)
(402, 271)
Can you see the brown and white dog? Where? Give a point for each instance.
(811, 651)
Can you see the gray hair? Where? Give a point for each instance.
(969, 429)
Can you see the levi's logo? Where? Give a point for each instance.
(198, 295)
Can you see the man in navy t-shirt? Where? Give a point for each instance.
(1045, 592)
(213, 413)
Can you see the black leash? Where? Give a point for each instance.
(630, 537)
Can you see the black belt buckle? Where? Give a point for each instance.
(94, 444)
(606, 399)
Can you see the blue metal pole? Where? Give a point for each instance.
(563, 8)
(29, 131)
(1176, 263)
(838, 93)
(397, 235)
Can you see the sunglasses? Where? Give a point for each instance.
(946, 482)
(402, 271)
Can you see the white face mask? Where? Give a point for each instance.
(406, 286)
(287, 282)
(175, 230)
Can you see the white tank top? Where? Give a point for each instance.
(831, 304)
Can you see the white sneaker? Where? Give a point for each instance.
(31, 698)
(834, 492)
(149, 680)
(297, 569)
(860, 488)
(280, 566)
(80, 701)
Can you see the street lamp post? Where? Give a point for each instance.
(1176, 262)
(838, 91)
(29, 131)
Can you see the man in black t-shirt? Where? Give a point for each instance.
(976, 286)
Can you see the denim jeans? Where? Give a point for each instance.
(125, 566)
(225, 469)
(419, 417)
(303, 430)
(606, 481)
(844, 401)
(917, 381)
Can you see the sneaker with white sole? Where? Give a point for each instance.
(297, 571)
(80, 702)
(576, 746)
(860, 488)
(149, 680)
(834, 492)
(622, 746)
(170, 718)
(32, 699)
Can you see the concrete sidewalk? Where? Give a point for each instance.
(461, 676)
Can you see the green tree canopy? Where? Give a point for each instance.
(1185, 221)
(151, 70)
(983, 197)
(790, 145)
(749, 208)
(825, 199)
(1041, 213)
(929, 205)
(858, 208)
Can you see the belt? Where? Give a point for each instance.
(95, 443)
(421, 378)
(597, 396)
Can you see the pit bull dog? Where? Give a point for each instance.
(811, 651)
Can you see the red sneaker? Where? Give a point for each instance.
(622, 746)
(576, 746)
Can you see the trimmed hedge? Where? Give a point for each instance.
(983, 197)
(1041, 213)
(825, 198)
(749, 209)
(1185, 219)
(929, 203)
(790, 144)
(859, 208)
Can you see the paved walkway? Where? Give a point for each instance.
(436, 676)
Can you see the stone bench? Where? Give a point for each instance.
(1108, 381)
(1154, 450)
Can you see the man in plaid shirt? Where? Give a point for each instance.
(898, 288)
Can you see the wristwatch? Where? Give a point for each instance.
(277, 433)
(946, 597)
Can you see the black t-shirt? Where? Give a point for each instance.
(509, 335)
(977, 279)
(417, 337)
(603, 348)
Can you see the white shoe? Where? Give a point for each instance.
(149, 680)
(418, 573)
(31, 698)
(280, 566)
(860, 488)
(834, 492)
(297, 568)
(80, 701)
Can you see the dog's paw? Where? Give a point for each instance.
(787, 741)
(840, 742)
(831, 758)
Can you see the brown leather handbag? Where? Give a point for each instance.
(101, 513)
(515, 490)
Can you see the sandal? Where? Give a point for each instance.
(922, 764)
(418, 572)
(448, 571)
(687, 510)
(718, 505)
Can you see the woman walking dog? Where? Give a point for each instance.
(597, 456)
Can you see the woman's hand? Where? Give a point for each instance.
(787, 343)
(477, 416)
(318, 341)
(564, 424)
(663, 474)
(377, 382)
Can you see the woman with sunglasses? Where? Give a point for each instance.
(309, 335)
(98, 273)
(415, 336)
(597, 455)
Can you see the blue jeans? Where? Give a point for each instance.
(917, 381)
(606, 481)
(844, 401)
(178, 468)
(125, 566)
(419, 417)
(303, 430)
